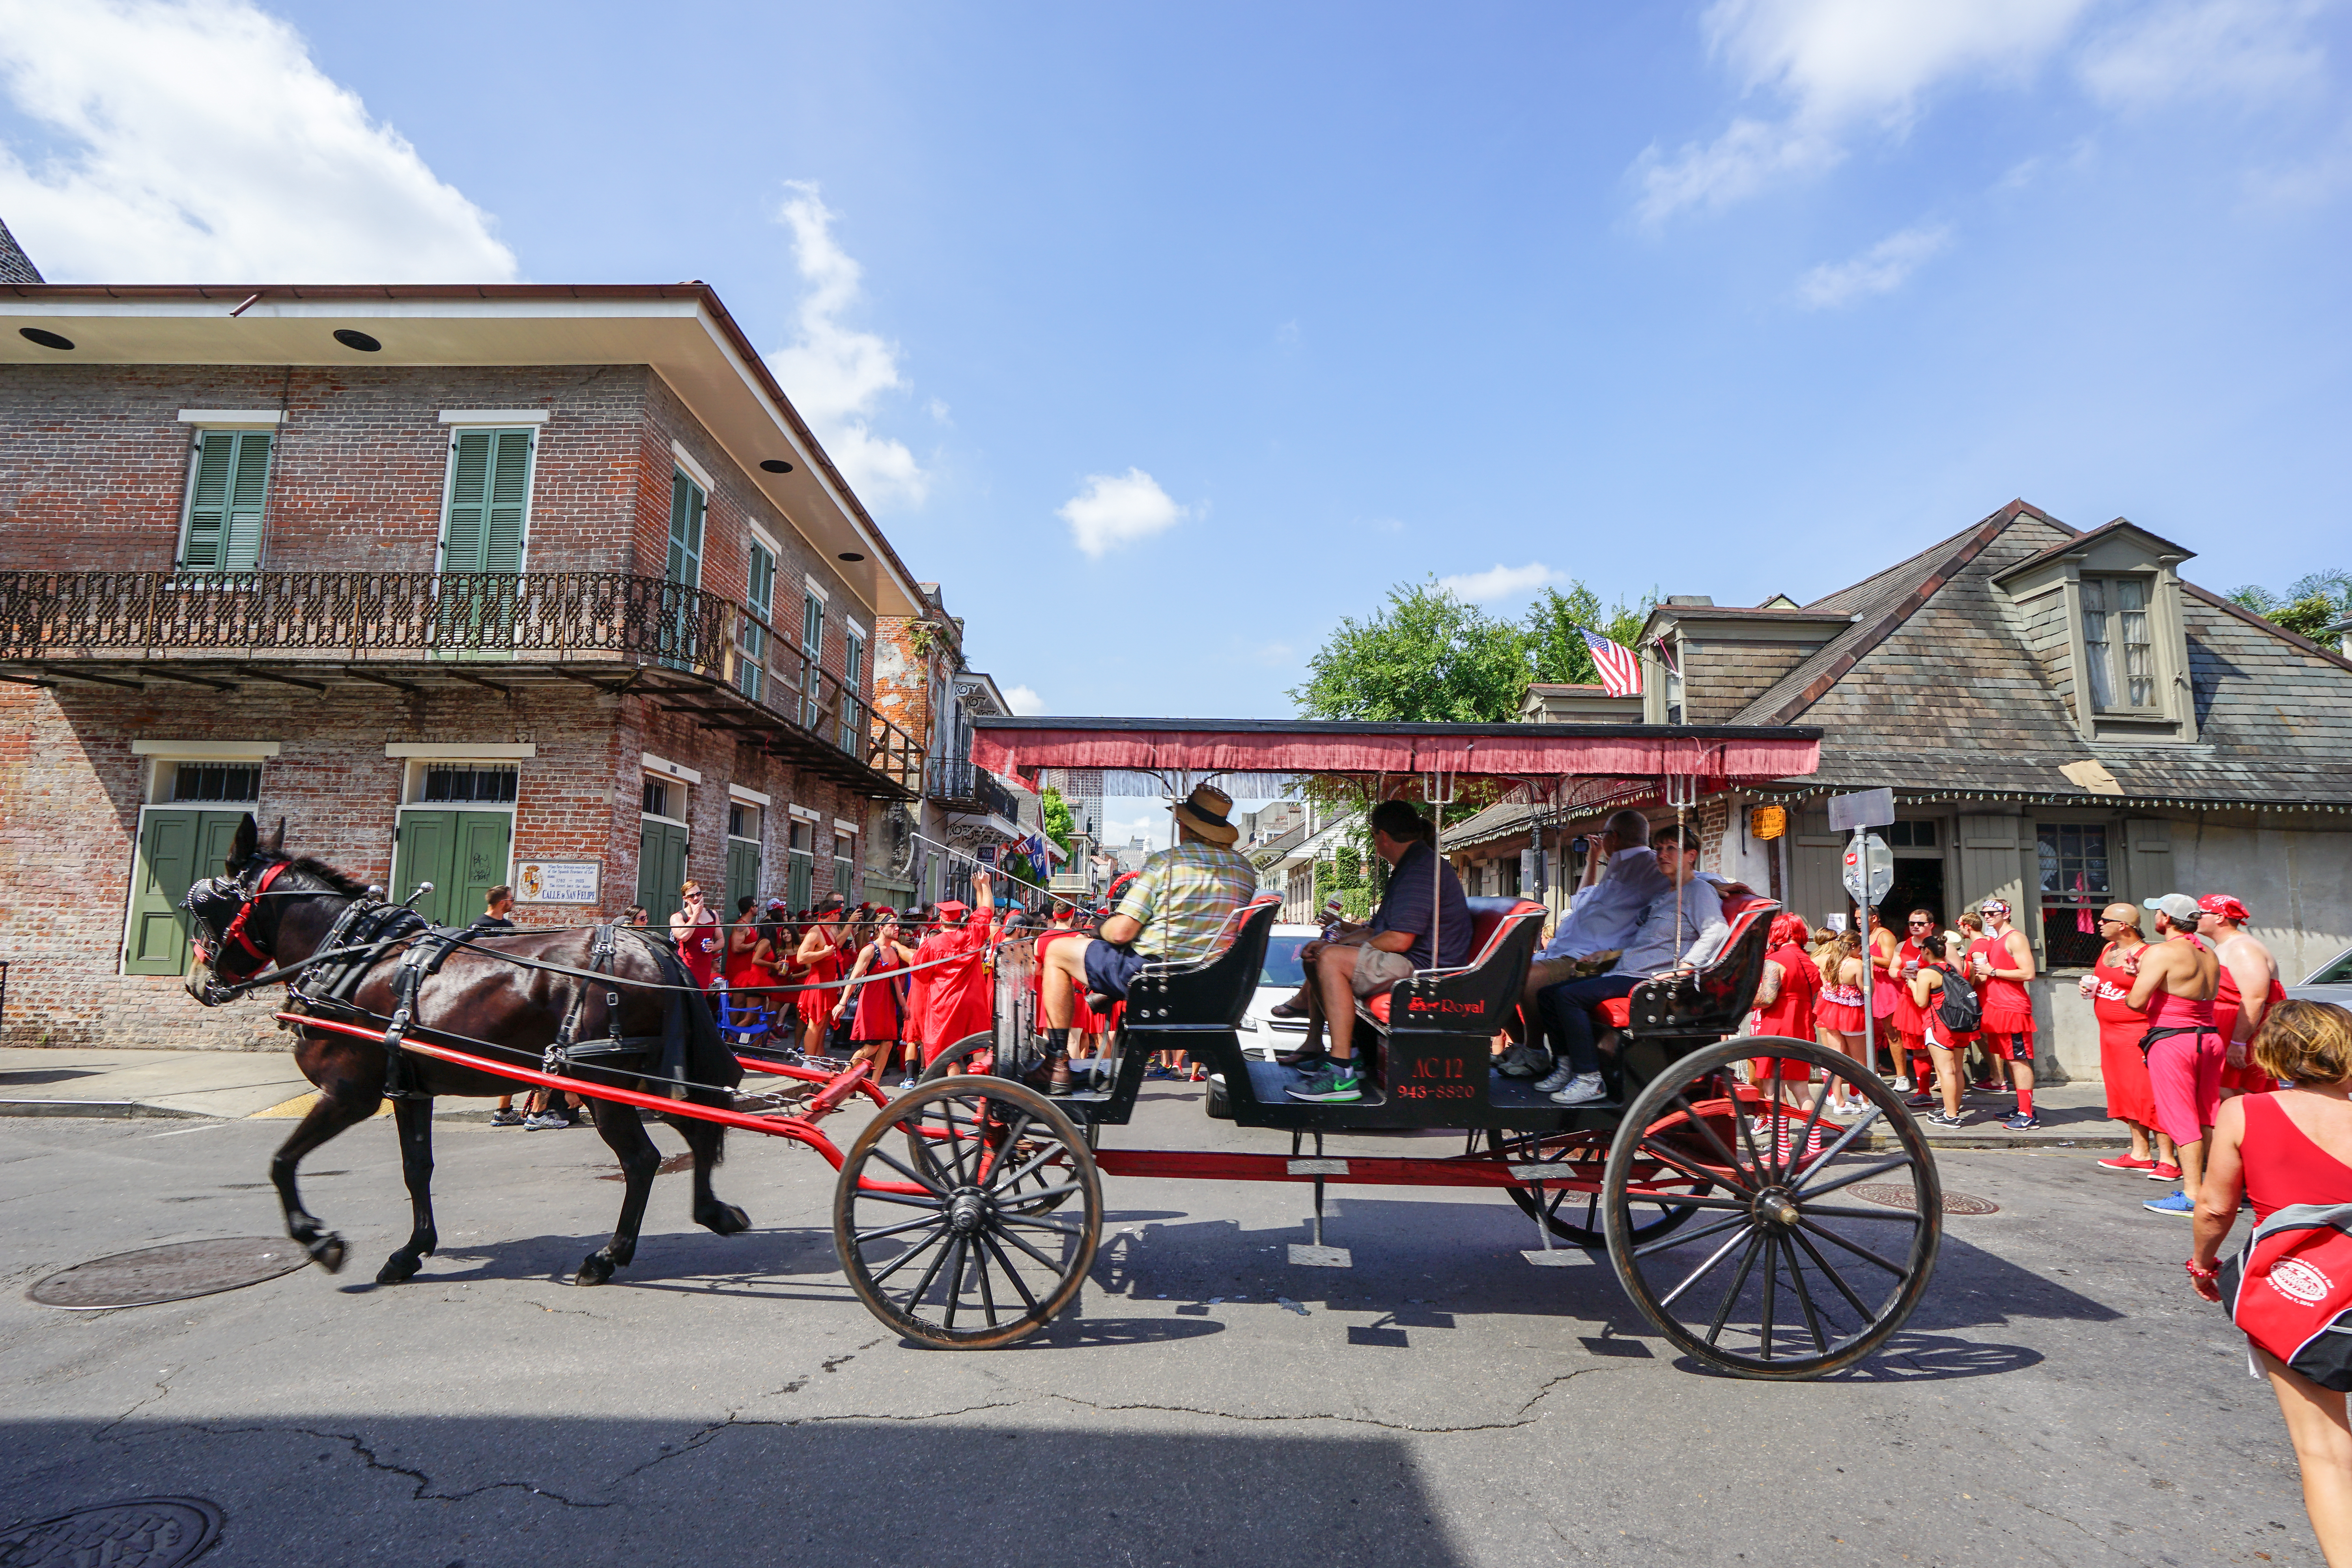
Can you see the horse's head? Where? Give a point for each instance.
(239, 916)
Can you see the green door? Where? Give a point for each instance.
(742, 874)
(661, 869)
(175, 849)
(462, 852)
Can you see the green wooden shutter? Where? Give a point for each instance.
(686, 505)
(483, 838)
(425, 851)
(742, 873)
(158, 942)
(224, 505)
(462, 535)
(509, 497)
(661, 869)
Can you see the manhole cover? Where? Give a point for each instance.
(145, 1532)
(171, 1273)
(1902, 1197)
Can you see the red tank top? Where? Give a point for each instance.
(741, 970)
(2001, 998)
(1908, 1017)
(877, 996)
(1791, 1015)
(2111, 989)
(2284, 1165)
(699, 948)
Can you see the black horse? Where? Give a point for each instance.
(470, 993)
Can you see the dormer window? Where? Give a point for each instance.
(2118, 653)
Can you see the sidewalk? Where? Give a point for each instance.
(236, 1085)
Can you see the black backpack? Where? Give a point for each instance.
(1957, 1004)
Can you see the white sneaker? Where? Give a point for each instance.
(1581, 1089)
(1902, 1085)
(1557, 1079)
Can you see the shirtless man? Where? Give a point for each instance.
(2178, 978)
(2250, 989)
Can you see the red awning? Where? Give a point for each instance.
(1021, 746)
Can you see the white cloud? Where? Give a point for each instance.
(200, 144)
(1840, 65)
(1499, 584)
(1024, 699)
(834, 375)
(1881, 269)
(1115, 509)
(2251, 49)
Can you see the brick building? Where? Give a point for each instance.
(540, 585)
(2064, 721)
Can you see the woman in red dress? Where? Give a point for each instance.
(1785, 999)
(2131, 1098)
(874, 993)
(820, 954)
(1837, 1012)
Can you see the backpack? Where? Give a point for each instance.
(2290, 1291)
(1957, 1004)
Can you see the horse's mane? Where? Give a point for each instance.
(339, 881)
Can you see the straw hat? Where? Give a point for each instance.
(1204, 811)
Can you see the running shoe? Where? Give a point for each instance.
(1552, 1082)
(2164, 1173)
(544, 1120)
(2171, 1202)
(1938, 1119)
(1984, 1086)
(907, 1082)
(2128, 1163)
(1333, 1083)
(1580, 1089)
(2023, 1121)
(1901, 1086)
(506, 1118)
(1921, 1100)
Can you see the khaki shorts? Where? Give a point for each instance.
(1376, 969)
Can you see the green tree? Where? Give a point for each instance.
(2312, 603)
(1429, 657)
(1556, 642)
(1056, 812)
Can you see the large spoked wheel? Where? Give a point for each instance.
(1790, 1274)
(1046, 1187)
(955, 1253)
(972, 1054)
(1572, 1215)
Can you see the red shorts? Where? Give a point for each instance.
(2185, 1072)
(1787, 1068)
(1837, 1019)
(2001, 1044)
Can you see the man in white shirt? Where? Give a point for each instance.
(1621, 880)
(1682, 926)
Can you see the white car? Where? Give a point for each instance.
(1262, 1033)
(2331, 981)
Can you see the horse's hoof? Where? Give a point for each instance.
(726, 1220)
(398, 1269)
(327, 1252)
(594, 1269)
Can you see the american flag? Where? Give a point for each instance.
(1620, 672)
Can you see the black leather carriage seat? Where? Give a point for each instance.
(1480, 993)
(1710, 1002)
(1210, 993)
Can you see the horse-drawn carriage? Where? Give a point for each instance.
(966, 1212)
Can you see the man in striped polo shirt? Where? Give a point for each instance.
(1178, 910)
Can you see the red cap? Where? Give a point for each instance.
(953, 910)
(2222, 904)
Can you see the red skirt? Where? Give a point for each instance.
(2008, 1021)
(2130, 1096)
(1837, 1017)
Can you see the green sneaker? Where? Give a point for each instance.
(1333, 1083)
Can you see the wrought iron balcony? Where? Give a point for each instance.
(688, 650)
(962, 786)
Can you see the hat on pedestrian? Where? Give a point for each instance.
(2179, 908)
(1204, 811)
(952, 911)
(2222, 904)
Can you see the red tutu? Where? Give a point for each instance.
(1845, 1019)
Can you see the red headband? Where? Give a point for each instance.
(2222, 904)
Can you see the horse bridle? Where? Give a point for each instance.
(215, 890)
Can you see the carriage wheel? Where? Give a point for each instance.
(972, 1054)
(1789, 1274)
(1575, 1217)
(958, 1253)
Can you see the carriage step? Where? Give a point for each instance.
(1306, 1256)
(1555, 1257)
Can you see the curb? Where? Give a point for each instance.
(114, 1108)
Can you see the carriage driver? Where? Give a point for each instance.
(1173, 912)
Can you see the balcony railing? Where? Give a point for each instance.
(970, 788)
(469, 620)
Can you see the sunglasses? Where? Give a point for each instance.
(1920, 922)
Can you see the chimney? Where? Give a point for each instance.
(15, 267)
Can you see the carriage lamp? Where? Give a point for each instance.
(46, 338)
(352, 339)
(1768, 821)
(776, 465)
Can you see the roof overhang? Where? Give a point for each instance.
(681, 331)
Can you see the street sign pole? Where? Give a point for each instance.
(1869, 878)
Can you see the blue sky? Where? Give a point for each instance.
(1275, 306)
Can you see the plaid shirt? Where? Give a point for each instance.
(1183, 899)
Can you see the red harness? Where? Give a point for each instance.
(236, 932)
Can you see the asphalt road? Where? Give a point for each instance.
(2060, 1397)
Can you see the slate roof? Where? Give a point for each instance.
(15, 267)
(1934, 689)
